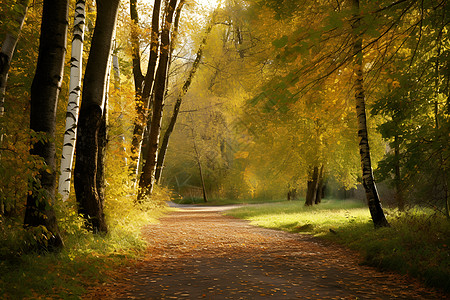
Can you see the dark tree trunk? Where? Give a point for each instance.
(139, 121)
(44, 98)
(147, 177)
(312, 184)
(373, 199)
(397, 176)
(92, 110)
(143, 85)
(101, 155)
(176, 109)
(292, 194)
(319, 192)
(205, 198)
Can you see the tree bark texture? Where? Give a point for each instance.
(176, 109)
(89, 140)
(76, 65)
(147, 178)
(143, 85)
(312, 185)
(397, 175)
(373, 199)
(44, 98)
(319, 192)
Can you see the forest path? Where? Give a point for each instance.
(198, 253)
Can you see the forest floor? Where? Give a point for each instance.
(198, 253)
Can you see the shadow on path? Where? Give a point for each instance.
(197, 253)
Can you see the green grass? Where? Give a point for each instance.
(417, 243)
(87, 260)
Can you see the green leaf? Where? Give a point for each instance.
(281, 42)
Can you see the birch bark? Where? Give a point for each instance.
(373, 199)
(70, 133)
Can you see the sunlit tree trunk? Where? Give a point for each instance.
(92, 114)
(76, 65)
(176, 109)
(373, 199)
(147, 177)
(44, 98)
(143, 85)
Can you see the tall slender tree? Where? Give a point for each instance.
(44, 97)
(76, 66)
(373, 199)
(147, 178)
(143, 84)
(176, 109)
(92, 115)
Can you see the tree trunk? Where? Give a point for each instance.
(8, 47)
(397, 176)
(176, 109)
(197, 157)
(44, 98)
(147, 178)
(319, 192)
(312, 184)
(292, 194)
(92, 112)
(373, 199)
(103, 141)
(143, 85)
(76, 65)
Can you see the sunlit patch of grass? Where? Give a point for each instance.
(296, 217)
(417, 243)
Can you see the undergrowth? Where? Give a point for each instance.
(417, 243)
(86, 260)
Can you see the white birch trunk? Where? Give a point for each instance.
(74, 100)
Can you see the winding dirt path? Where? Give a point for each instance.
(201, 254)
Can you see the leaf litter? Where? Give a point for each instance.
(195, 254)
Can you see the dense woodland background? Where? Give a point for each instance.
(246, 99)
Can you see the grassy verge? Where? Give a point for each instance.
(86, 260)
(418, 243)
